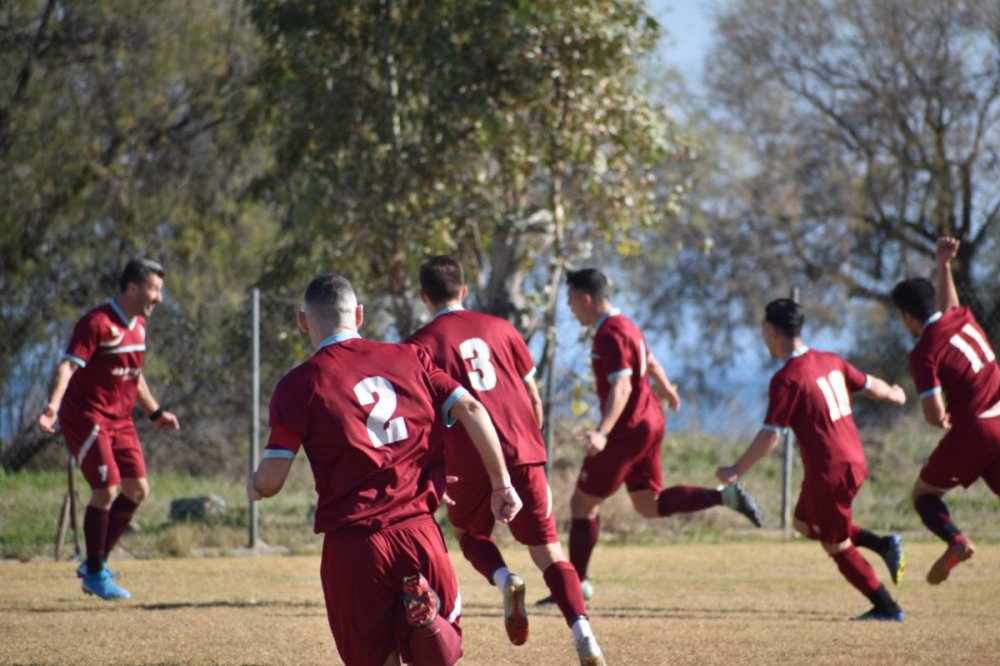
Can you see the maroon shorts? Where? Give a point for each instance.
(362, 574)
(968, 451)
(632, 459)
(825, 503)
(107, 452)
(534, 524)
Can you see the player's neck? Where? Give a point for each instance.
(447, 306)
(788, 348)
(123, 304)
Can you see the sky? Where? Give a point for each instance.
(688, 34)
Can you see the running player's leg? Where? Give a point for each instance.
(472, 523)
(421, 548)
(134, 486)
(948, 466)
(888, 546)
(585, 529)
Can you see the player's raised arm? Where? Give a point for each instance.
(476, 420)
(946, 251)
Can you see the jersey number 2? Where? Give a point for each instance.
(382, 428)
(967, 350)
(834, 389)
(483, 375)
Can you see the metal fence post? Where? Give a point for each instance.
(254, 407)
(786, 481)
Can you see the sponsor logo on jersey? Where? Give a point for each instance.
(130, 373)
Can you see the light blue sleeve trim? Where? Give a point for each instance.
(777, 429)
(627, 372)
(446, 415)
(531, 375)
(928, 393)
(283, 454)
(75, 359)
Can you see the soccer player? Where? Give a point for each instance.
(811, 394)
(91, 395)
(363, 412)
(624, 447)
(955, 373)
(490, 359)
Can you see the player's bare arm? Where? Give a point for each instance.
(618, 395)
(879, 389)
(163, 420)
(476, 420)
(269, 478)
(535, 398)
(662, 386)
(57, 389)
(946, 251)
(935, 412)
(765, 441)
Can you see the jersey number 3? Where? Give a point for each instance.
(382, 427)
(834, 389)
(483, 375)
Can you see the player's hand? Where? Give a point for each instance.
(47, 421)
(505, 503)
(596, 441)
(946, 421)
(167, 421)
(947, 249)
(445, 497)
(670, 394)
(252, 493)
(727, 474)
(897, 395)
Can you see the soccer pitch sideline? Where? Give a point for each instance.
(752, 602)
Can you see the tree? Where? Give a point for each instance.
(513, 134)
(857, 133)
(123, 130)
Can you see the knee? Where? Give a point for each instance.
(834, 549)
(803, 529)
(137, 491)
(647, 510)
(581, 506)
(102, 498)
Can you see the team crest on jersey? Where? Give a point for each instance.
(115, 337)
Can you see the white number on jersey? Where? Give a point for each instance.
(483, 375)
(382, 428)
(963, 346)
(834, 389)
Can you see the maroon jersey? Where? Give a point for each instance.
(109, 349)
(811, 395)
(490, 359)
(619, 349)
(363, 411)
(954, 357)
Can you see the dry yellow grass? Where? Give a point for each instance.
(761, 602)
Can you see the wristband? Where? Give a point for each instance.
(603, 433)
(155, 416)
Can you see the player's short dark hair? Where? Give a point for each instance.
(138, 271)
(915, 297)
(786, 316)
(330, 295)
(589, 281)
(441, 278)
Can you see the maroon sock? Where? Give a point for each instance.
(95, 534)
(855, 568)
(118, 520)
(686, 499)
(438, 644)
(936, 517)
(583, 536)
(565, 587)
(482, 553)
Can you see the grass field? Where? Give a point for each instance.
(766, 601)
